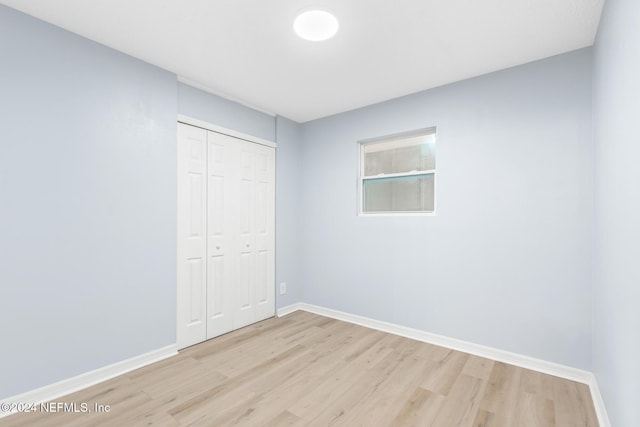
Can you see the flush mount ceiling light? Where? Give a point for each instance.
(315, 25)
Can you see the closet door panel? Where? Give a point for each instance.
(245, 288)
(245, 307)
(222, 173)
(265, 231)
(192, 224)
(262, 287)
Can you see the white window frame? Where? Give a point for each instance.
(362, 178)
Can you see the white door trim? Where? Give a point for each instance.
(215, 128)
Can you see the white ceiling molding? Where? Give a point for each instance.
(197, 85)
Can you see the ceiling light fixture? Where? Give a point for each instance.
(315, 25)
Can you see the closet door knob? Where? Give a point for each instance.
(218, 247)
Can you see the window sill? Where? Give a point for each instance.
(392, 214)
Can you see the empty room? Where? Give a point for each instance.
(320, 213)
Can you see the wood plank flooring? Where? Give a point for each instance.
(308, 370)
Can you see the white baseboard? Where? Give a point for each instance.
(289, 309)
(598, 403)
(82, 381)
(527, 362)
(546, 367)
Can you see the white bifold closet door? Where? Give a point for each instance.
(226, 216)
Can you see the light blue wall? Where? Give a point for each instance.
(507, 260)
(87, 205)
(288, 219)
(616, 344)
(202, 105)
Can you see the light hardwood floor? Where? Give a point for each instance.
(305, 369)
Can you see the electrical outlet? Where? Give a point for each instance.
(283, 288)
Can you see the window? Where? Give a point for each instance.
(398, 174)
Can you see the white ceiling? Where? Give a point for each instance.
(246, 50)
